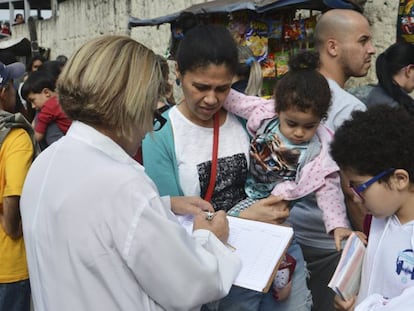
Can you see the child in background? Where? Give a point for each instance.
(375, 152)
(39, 90)
(289, 154)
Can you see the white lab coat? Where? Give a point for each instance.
(99, 237)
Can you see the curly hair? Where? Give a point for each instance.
(303, 87)
(375, 140)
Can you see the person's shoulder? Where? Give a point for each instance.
(235, 122)
(379, 96)
(17, 132)
(52, 102)
(324, 133)
(17, 138)
(164, 134)
(362, 92)
(347, 100)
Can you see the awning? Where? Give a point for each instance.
(17, 46)
(229, 6)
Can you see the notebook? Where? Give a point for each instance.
(347, 277)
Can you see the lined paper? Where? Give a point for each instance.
(260, 247)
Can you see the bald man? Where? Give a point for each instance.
(343, 40)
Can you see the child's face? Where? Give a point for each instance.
(380, 199)
(297, 126)
(38, 99)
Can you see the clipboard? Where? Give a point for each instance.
(261, 248)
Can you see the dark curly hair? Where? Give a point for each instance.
(303, 87)
(375, 140)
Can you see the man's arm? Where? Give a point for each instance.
(10, 217)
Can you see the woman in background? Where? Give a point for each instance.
(395, 72)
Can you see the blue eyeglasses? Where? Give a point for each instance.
(362, 187)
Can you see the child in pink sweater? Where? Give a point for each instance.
(289, 154)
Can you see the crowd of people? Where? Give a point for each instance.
(98, 159)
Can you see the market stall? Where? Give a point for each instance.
(405, 21)
(272, 29)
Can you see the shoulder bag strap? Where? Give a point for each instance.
(213, 172)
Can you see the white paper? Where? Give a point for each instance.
(259, 246)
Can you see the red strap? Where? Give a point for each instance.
(213, 172)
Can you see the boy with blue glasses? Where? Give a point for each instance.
(375, 152)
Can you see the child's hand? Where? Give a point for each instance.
(218, 225)
(362, 236)
(339, 235)
(344, 305)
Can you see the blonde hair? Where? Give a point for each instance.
(250, 69)
(111, 82)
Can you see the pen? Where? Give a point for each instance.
(230, 247)
(210, 215)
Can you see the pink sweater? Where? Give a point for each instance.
(321, 175)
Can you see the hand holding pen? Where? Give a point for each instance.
(215, 222)
(210, 215)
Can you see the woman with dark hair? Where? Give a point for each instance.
(179, 157)
(395, 72)
(34, 63)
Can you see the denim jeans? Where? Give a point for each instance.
(242, 299)
(15, 296)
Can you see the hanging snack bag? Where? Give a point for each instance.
(405, 21)
(269, 66)
(275, 29)
(237, 25)
(256, 39)
(281, 60)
